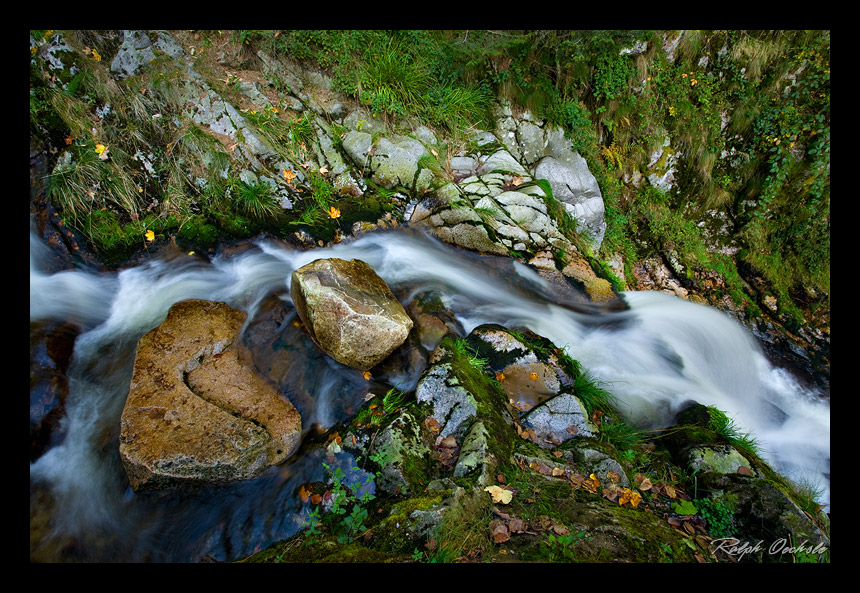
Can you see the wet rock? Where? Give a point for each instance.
(559, 419)
(196, 410)
(349, 311)
(454, 407)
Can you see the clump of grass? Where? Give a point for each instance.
(256, 200)
(726, 427)
(82, 182)
(462, 350)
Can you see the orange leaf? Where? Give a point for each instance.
(304, 493)
(533, 376)
(366, 375)
(500, 376)
(288, 175)
(334, 212)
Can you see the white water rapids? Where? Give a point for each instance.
(654, 357)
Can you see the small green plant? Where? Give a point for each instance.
(685, 507)
(717, 512)
(562, 548)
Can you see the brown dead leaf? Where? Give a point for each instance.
(304, 493)
(560, 529)
(745, 471)
(432, 424)
(448, 442)
(316, 499)
(557, 454)
(613, 477)
(670, 491)
(499, 531)
(557, 471)
(501, 479)
(572, 429)
(517, 525)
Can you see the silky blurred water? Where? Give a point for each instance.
(654, 357)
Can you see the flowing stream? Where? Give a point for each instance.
(654, 357)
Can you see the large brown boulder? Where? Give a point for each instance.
(197, 409)
(349, 311)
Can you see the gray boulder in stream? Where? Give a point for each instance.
(349, 311)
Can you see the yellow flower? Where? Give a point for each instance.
(100, 148)
(334, 212)
(150, 235)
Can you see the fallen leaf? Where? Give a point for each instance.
(304, 493)
(432, 424)
(500, 376)
(334, 212)
(501, 478)
(100, 148)
(366, 375)
(517, 525)
(745, 471)
(557, 454)
(613, 477)
(572, 429)
(499, 531)
(557, 471)
(517, 180)
(150, 235)
(670, 491)
(500, 495)
(533, 376)
(316, 499)
(323, 170)
(70, 139)
(433, 152)
(96, 56)
(448, 442)
(560, 529)
(288, 175)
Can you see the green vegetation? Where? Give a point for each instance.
(726, 427)
(744, 115)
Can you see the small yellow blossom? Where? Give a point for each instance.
(100, 148)
(150, 235)
(334, 212)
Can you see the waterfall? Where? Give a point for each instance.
(653, 357)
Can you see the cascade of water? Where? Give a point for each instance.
(655, 356)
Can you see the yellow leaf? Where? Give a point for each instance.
(323, 170)
(150, 235)
(288, 175)
(96, 56)
(366, 375)
(190, 253)
(533, 376)
(100, 148)
(500, 376)
(500, 495)
(334, 212)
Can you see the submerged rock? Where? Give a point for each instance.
(196, 411)
(349, 311)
